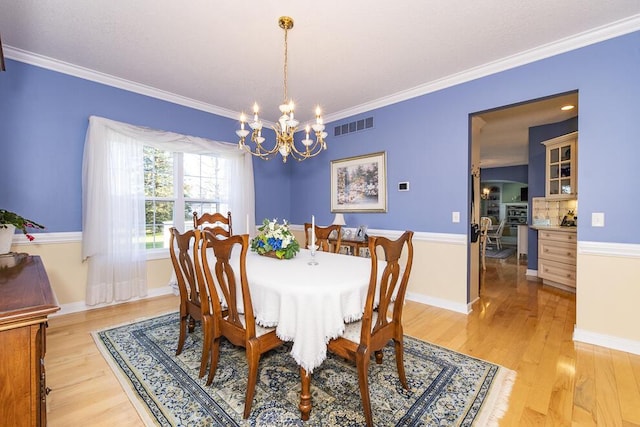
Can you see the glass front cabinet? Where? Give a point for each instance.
(562, 166)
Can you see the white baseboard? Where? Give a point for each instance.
(438, 302)
(79, 306)
(607, 341)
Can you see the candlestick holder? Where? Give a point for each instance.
(313, 261)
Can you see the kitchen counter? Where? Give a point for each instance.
(554, 228)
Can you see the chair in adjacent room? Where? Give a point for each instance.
(485, 224)
(180, 248)
(239, 325)
(495, 237)
(373, 332)
(322, 237)
(216, 222)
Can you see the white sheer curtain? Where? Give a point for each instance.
(113, 221)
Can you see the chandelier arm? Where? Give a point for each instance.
(303, 153)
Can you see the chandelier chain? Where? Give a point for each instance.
(286, 62)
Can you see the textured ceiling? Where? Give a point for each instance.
(346, 56)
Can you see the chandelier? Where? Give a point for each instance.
(286, 126)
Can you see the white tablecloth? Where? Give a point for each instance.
(308, 304)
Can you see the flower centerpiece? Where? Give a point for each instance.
(275, 239)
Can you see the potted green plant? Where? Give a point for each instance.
(9, 222)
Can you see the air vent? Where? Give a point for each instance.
(356, 126)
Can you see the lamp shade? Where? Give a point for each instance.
(339, 219)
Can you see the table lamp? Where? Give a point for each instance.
(339, 219)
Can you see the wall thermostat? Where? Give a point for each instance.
(403, 186)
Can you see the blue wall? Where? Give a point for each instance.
(43, 119)
(427, 143)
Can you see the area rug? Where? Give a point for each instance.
(500, 254)
(446, 388)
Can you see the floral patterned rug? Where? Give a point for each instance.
(446, 388)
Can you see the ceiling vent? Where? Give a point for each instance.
(356, 126)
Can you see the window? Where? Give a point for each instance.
(178, 184)
(129, 189)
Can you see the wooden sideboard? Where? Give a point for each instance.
(353, 246)
(26, 299)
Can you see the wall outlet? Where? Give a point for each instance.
(597, 219)
(403, 186)
(455, 216)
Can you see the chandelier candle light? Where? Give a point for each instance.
(286, 126)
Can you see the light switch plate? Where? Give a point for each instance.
(455, 216)
(597, 219)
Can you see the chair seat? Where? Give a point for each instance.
(352, 330)
(260, 330)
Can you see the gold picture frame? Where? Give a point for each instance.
(359, 184)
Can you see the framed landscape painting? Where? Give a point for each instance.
(359, 184)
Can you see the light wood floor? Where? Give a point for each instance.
(517, 323)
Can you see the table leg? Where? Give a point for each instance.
(305, 394)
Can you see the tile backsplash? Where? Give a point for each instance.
(550, 212)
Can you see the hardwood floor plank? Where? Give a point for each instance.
(607, 399)
(584, 398)
(517, 323)
(627, 387)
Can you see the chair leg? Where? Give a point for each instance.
(362, 366)
(192, 324)
(399, 345)
(215, 355)
(253, 360)
(183, 332)
(207, 337)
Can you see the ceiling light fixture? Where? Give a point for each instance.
(286, 126)
(567, 107)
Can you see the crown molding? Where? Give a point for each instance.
(109, 80)
(615, 29)
(618, 28)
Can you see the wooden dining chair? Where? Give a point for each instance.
(220, 225)
(239, 325)
(373, 332)
(181, 247)
(322, 237)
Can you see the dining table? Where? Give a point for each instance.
(308, 304)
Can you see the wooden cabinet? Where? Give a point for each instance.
(352, 247)
(516, 213)
(561, 166)
(490, 205)
(26, 299)
(557, 258)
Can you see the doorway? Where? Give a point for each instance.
(501, 154)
